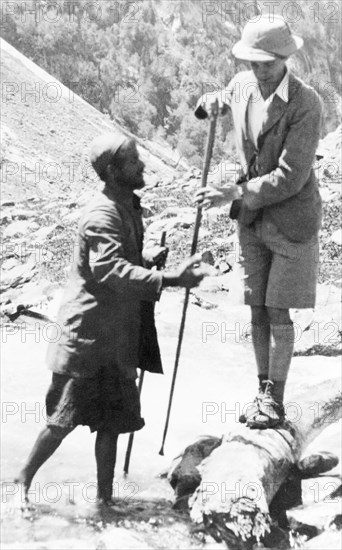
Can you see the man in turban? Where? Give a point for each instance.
(106, 317)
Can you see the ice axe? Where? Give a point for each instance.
(140, 385)
(207, 159)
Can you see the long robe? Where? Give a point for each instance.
(106, 316)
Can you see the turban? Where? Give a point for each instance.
(103, 150)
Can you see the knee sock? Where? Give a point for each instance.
(261, 345)
(280, 360)
(262, 378)
(105, 452)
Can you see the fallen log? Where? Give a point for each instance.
(184, 477)
(242, 474)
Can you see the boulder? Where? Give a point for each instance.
(328, 540)
(19, 228)
(18, 275)
(336, 237)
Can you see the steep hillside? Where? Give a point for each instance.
(45, 181)
(46, 177)
(46, 132)
(145, 63)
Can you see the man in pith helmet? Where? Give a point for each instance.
(277, 120)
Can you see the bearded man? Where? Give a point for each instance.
(106, 317)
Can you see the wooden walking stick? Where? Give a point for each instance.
(140, 385)
(208, 154)
(131, 435)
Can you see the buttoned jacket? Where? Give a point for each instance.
(280, 167)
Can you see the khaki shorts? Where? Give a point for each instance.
(278, 273)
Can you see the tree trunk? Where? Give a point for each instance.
(240, 477)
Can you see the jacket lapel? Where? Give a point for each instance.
(248, 145)
(277, 108)
(244, 117)
(274, 112)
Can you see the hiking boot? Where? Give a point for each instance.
(254, 408)
(271, 412)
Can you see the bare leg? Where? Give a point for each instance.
(105, 453)
(47, 442)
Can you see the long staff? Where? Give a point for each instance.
(140, 385)
(131, 435)
(208, 154)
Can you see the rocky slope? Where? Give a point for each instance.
(39, 224)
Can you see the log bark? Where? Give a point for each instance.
(185, 477)
(241, 476)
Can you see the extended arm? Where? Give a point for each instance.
(108, 263)
(110, 267)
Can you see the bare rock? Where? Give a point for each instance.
(18, 275)
(116, 538)
(223, 266)
(329, 540)
(201, 302)
(72, 216)
(336, 237)
(24, 214)
(147, 210)
(328, 195)
(315, 464)
(169, 212)
(337, 493)
(20, 228)
(172, 218)
(9, 263)
(40, 236)
(33, 294)
(336, 522)
(214, 284)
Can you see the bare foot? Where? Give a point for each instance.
(108, 502)
(14, 496)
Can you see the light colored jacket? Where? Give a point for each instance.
(106, 316)
(283, 160)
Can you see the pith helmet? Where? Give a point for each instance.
(266, 40)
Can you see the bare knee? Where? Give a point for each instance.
(57, 432)
(279, 316)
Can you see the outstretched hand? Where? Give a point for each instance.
(189, 274)
(217, 196)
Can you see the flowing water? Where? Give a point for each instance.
(216, 376)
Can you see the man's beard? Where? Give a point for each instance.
(129, 183)
(141, 183)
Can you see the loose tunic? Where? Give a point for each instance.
(106, 316)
